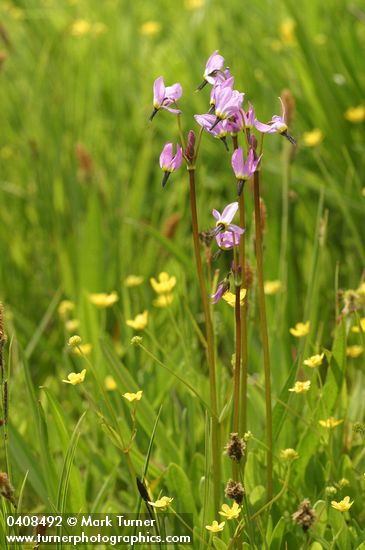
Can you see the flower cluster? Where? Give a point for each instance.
(225, 116)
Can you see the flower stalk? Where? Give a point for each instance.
(210, 343)
(243, 316)
(263, 329)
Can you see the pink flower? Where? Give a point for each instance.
(216, 130)
(220, 83)
(227, 234)
(244, 170)
(165, 96)
(169, 162)
(276, 125)
(222, 287)
(228, 102)
(213, 68)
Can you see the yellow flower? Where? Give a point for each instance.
(354, 351)
(272, 287)
(343, 505)
(355, 114)
(301, 387)
(300, 329)
(216, 527)
(72, 325)
(163, 300)
(230, 298)
(314, 361)
(312, 138)
(287, 31)
(103, 300)
(164, 285)
(65, 307)
(133, 396)
(330, 422)
(230, 513)
(162, 503)
(150, 28)
(194, 4)
(330, 491)
(110, 383)
(139, 322)
(362, 325)
(80, 27)
(289, 454)
(75, 378)
(133, 280)
(83, 349)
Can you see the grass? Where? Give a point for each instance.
(82, 208)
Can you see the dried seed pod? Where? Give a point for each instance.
(235, 491)
(235, 447)
(305, 515)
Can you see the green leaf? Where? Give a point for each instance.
(179, 487)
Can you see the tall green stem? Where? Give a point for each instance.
(210, 345)
(263, 328)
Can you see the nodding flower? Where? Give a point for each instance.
(219, 130)
(221, 82)
(169, 162)
(244, 170)
(227, 103)
(227, 234)
(213, 67)
(276, 125)
(222, 288)
(164, 96)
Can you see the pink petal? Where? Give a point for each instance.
(166, 156)
(283, 112)
(158, 92)
(216, 214)
(237, 161)
(264, 128)
(229, 212)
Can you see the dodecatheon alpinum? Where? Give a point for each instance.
(276, 125)
(227, 234)
(244, 170)
(214, 65)
(227, 103)
(164, 96)
(219, 130)
(170, 162)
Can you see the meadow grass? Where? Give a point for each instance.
(82, 209)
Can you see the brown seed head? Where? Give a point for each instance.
(235, 491)
(289, 103)
(171, 225)
(248, 275)
(235, 447)
(305, 515)
(6, 489)
(86, 163)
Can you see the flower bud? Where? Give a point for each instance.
(190, 149)
(74, 341)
